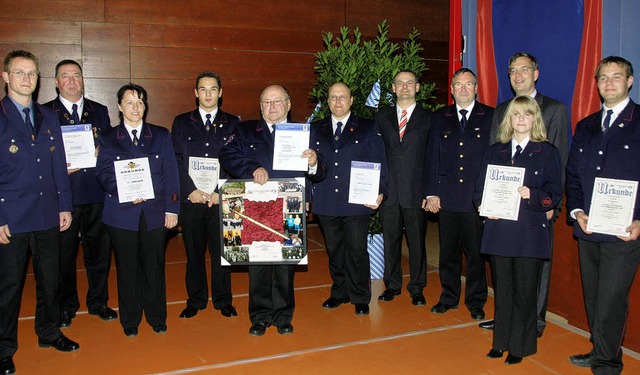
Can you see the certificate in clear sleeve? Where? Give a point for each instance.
(133, 179)
(204, 173)
(612, 206)
(364, 183)
(291, 140)
(79, 147)
(500, 197)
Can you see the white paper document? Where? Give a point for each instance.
(133, 179)
(291, 140)
(612, 205)
(264, 251)
(364, 183)
(204, 173)
(500, 197)
(78, 146)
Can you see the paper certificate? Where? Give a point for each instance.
(78, 146)
(204, 173)
(133, 179)
(612, 206)
(263, 251)
(291, 140)
(364, 183)
(500, 197)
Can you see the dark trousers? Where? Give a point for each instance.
(271, 294)
(201, 226)
(607, 270)
(346, 241)
(140, 269)
(544, 281)
(393, 219)
(515, 304)
(45, 253)
(462, 233)
(96, 252)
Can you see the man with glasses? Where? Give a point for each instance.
(35, 206)
(605, 145)
(202, 133)
(248, 154)
(458, 138)
(404, 129)
(342, 139)
(523, 74)
(73, 108)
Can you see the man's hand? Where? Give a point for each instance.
(138, 201)
(550, 214)
(433, 204)
(74, 170)
(634, 231)
(582, 218)
(5, 233)
(198, 196)
(524, 191)
(378, 201)
(214, 198)
(170, 220)
(260, 176)
(311, 155)
(65, 220)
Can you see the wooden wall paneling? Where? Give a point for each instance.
(103, 91)
(291, 15)
(167, 98)
(105, 50)
(20, 31)
(67, 10)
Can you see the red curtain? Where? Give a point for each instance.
(485, 58)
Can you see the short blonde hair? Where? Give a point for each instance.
(524, 104)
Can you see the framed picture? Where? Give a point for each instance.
(263, 224)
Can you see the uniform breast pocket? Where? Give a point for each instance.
(155, 164)
(623, 156)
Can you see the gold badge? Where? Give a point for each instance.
(13, 148)
(52, 148)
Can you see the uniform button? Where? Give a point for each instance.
(536, 173)
(462, 168)
(206, 144)
(40, 177)
(38, 160)
(336, 190)
(356, 141)
(580, 149)
(336, 177)
(117, 157)
(206, 155)
(461, 143)
(157, 156)
(461, 156)
(600, 152)
(84, 170)
(597, 168)
(626, 147)
(1, 199)
(461, 180)
(336, 164)
(40, 193)
(188, 138)
(336, 151)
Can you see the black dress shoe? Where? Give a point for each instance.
(62, 344)
(160, 328)
(258, 329)
(189, 312)
(582, 360)
(65, 318)
(495, 353)
(418, 300)
(332, 303)
(513, 360)
(362, 309)
(389, 295)
(228, 311)
(131, 332)
(104, 313)
(539, 334)
(477, 313)
(285, 329)
(486, 325)
(6, 366)
(441, 308)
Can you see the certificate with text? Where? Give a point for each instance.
(133, 179)
(612, 205)
(500, 197)
(79, 148)
(204, 173)
(291, 140)
(364, 183)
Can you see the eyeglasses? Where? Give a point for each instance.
(275, 102)
(459, 85)
(521, 70)
(21, 74)
(334, 98)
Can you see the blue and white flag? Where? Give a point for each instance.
(316, 109)
(374, 96)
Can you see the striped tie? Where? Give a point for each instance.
(403, 123)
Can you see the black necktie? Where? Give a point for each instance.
(463, 119)
(27, 119)
(273, 133)
(135, 136)
(207, 125)
(74, 114)
(607, 120)
(516, 154)
(338, 130)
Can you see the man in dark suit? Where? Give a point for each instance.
(35, 205)
(249, 154)
(457, 142)
(604, 145)
(73, 108)
(405, 147)
(342, 139)
(201, 133)
(523, 74)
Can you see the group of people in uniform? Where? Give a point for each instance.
(429, 162)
